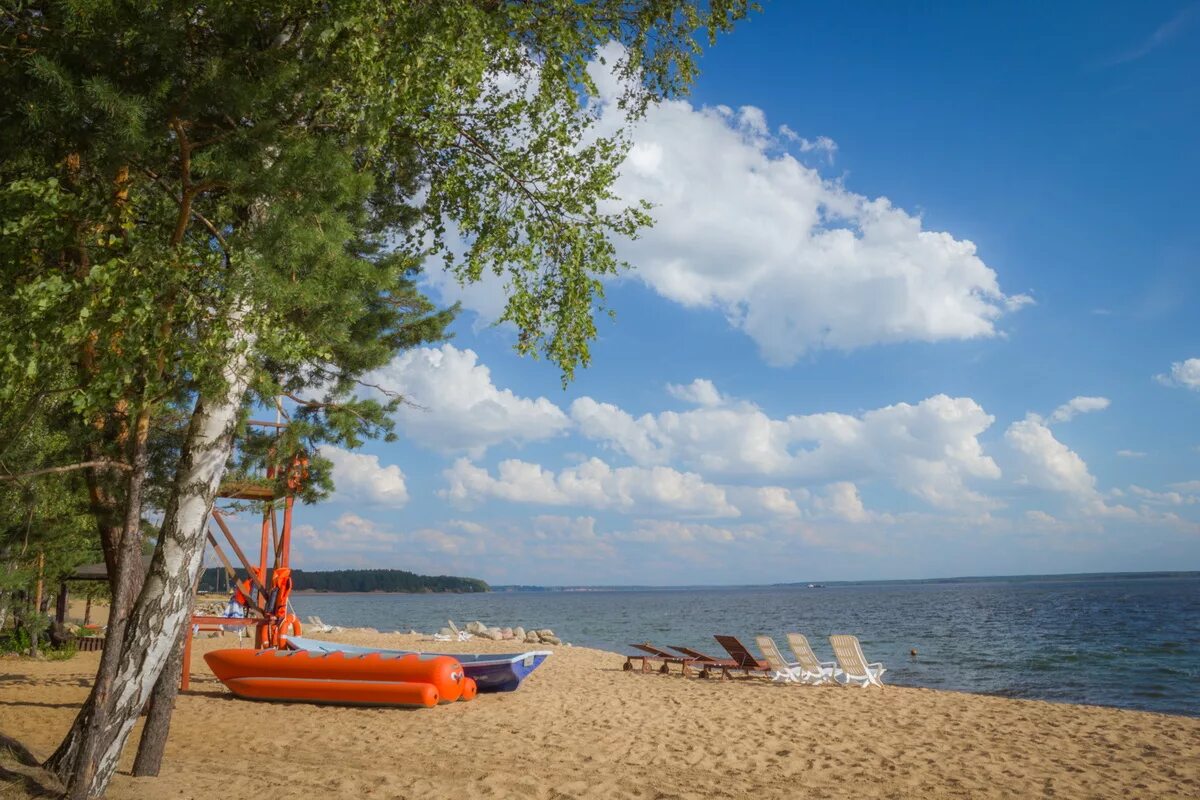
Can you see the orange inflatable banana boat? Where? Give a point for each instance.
(357, 693)
(370, 679)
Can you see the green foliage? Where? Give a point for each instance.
(365, 580)
(168, 162)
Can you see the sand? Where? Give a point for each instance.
(582, 727)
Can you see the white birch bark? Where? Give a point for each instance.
(162, 607)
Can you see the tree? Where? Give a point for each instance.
(219, 204)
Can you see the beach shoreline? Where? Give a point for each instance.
(581, 726)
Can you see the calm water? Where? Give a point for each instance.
(1129, 642)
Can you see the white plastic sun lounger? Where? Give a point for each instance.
(784, 672)
(814, 670)
(853, 663)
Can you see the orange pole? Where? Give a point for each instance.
(262, 551)
(185, 676)
(216, 515)
(285, 537)
(274, 533)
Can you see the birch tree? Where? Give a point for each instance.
(217, 204)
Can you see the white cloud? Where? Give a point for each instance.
(1079, 405)
(349, 532)
(458, 408)
(359, 476)
(1183, 373)
(929, 449)
(1186, 486)
(841, 501)
(1131, 454)
(1046, 463)
(796, 261)
(1163, 498)
(592, 484)
(699, 392)
(675, 532)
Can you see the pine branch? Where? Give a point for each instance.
(101, 464)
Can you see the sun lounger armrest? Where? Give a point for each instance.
(877, 665)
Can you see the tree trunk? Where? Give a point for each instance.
(36, 627)
(158, 721)
(162, 607)
(76, 751)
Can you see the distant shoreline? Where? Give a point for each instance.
(825, 584)
(377, 592)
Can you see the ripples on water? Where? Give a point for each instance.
(1129, 642)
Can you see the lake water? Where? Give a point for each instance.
(1124, 641)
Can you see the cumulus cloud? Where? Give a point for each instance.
(455, 406)
(1076, 406)
(675, 532)
(1185, 374)
(1163, 498)
(592, 484)
(930, 449)
(1046, 463)
(360, 477)
(699, 392)
(796, 261)
(841, 501)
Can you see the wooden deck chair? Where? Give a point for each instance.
(706, 662)
(655, 653)
(853, 663)
(784, 672)
(815, 671)
(741, 656)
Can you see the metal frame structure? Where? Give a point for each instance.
(269, 583)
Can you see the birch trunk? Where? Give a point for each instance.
(153, 742)
(162, 607)
(124, 546)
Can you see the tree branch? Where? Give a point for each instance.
(101, 464)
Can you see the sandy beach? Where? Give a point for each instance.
(582, 727)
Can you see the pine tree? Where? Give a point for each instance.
(215, 205)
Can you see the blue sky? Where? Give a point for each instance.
(919, 302)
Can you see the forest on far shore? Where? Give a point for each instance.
(356, 580)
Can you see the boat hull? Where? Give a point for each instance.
(342, 693)
(492, 672)
(338, 677)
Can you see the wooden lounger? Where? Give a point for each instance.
(742, 657)
(707, 663)
(651, 652)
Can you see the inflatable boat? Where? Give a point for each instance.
(342, 678)
(492, 672)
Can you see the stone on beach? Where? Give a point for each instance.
(519, 633)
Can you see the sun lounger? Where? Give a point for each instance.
(651, 652)
(784, 672)
(814, 671)
(743, 659)
(853, 663)
(706, 662)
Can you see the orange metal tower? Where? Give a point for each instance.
(264, 594)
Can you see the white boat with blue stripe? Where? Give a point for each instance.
(492, 672)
